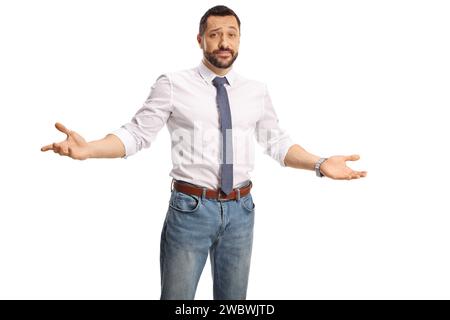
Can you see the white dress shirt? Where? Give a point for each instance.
(186, 101)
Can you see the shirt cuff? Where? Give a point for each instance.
(128, 141)
(284, 150)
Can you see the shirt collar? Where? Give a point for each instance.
(208, 75)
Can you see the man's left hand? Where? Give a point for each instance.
(336, 168)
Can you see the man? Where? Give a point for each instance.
(213, 115)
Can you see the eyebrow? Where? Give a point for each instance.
(216, 29)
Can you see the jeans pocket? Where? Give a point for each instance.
(183, 202)
(247, 203)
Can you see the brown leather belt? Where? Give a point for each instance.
(211, 193)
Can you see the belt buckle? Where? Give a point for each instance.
(219, 194)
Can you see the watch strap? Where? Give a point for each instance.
(317, 167)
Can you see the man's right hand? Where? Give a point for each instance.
(74, 146)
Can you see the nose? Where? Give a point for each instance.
(223, 42)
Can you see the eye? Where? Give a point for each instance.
(212, 35)
(232, 35)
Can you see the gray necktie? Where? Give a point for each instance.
(226, 172)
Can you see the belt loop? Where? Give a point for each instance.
(238, 197)
(203, 194)
(171, 185)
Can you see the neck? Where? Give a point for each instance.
(218, 71)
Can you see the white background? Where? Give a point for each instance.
(366, 77)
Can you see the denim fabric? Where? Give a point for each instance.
(195, 226)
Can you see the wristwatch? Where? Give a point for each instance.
(317, 167)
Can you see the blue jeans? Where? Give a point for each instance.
(195, 226)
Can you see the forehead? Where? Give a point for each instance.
(225, 22)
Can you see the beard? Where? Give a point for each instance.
(211, 57)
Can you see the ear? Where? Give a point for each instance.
(200, 40)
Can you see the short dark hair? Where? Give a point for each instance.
(220, 11)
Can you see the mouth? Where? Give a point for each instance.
(223, 54)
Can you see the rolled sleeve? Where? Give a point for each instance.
(143, 128)
(128, 141)
(275, 140)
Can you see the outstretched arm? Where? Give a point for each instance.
(128, 139)
(334, 167)
(77, 148)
